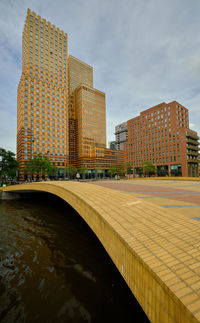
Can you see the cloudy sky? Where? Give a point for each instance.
(143, 52)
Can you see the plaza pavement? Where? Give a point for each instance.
(180, 196)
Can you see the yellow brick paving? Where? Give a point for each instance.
(156, 251)
(182, 183)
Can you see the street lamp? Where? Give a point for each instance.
(1, 158)
(32, 140)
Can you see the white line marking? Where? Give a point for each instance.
(132, 203)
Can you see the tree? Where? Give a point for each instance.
(126, 169)
(71, 171)
(41, 165)
(54, 171)
(100, 171)
(148, 168)
(83, 170)
(8, 165)
(113, 170)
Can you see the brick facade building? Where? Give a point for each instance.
(59, 113)
(161, 135)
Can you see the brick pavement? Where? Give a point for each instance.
(172, 193)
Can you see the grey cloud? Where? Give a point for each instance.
(143, 52)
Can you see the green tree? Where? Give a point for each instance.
(126, 169)
(71, 171)
(148, 168)
(98, 172)
(54, 171)
(41, 165)
(83, 170)
(9, 166)
(113, 170)
(27, 168)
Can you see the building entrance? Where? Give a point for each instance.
(176, 170)
(163, 170)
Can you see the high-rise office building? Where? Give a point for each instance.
(161, 135)
(91, 125)
(42, 92)
(59, 113)
(78, 73)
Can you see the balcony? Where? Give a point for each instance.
(193, 160)
(120, 131)
(191, 141)
(193, 153)
(192, 147)
(191, 135)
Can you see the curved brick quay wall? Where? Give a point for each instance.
(156, 252)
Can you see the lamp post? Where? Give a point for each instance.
(31, 170)
(48, 153)
(1, 167)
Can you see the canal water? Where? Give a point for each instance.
(54, 269)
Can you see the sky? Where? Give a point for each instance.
(144, 52)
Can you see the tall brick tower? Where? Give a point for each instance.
(42, 93)
(59, 113)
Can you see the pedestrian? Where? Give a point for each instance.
(77, 176)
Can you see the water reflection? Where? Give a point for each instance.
(53, 269)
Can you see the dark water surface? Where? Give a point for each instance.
(54, 269)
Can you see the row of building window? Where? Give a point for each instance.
(53, 32)
(47, 62)
(48, 54)
(164, 153)
(47, 58)
(53, 126)
(50, 69)
(52, 158)
(43, 119)
(40, 70)
(45, 113)
(48, 131)
(156, 132)
(43, 141)
(158, 160)
(47, 31)
(48, 137)
(48, 77)
(39, 92)
(46, 37)
(54, 91)
(37, 70)
(43, 98)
